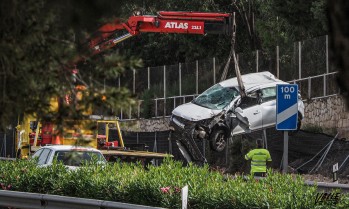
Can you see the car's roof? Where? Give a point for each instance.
(252, 80)
(70, 147)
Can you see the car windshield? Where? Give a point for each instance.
(78, 158)
(217, 97)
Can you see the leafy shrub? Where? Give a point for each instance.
(161, 186)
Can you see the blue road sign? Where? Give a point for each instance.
(286, 106)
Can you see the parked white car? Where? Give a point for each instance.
(219, 112)
(70, 156)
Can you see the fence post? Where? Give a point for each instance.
(197, 77)
(327, 61)
(155, 148)
(257, 58)
(130, 113)
(164, 110)
(299, 59)
(214, 70)
(121, 114)
(156, 107)
(309, 88)
(277, 62)
(170, 143)
(325, 87)
(139, 109)
(148, 77)
(327, 66)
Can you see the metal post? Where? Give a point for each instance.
(214, 70)
(197, 77)
(309, 88)
(164, 111)
(137, 138)
(285, 155)
(156, 107)
(148, 77)
(327, 66)
(180, 79)
(257, 58)
(130, 113)
(277, 62)
(155, 148)
(335, 171)
(325, 87)
(139, 109)
(327, 61)
(170, 145)
(121, 114)
(299, 60)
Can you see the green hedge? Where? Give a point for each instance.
(160, 186)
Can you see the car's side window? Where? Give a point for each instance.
(268, 94)
(43, 157)
(249, 101)
(37, 154)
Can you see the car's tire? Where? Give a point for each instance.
(218, 140)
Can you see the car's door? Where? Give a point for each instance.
(268, 106)
(252, 110)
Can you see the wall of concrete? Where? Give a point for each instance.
(327, 115)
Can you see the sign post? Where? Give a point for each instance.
(286, 114)
(335, 170)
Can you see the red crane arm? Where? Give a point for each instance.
(164, 22)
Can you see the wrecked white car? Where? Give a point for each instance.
(220, 112)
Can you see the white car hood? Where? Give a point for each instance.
(193, 112)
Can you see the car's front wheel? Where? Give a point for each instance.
(218, 140)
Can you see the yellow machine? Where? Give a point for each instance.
(101, 133)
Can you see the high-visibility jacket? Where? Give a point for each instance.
(259, 158)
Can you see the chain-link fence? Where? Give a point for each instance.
(161, 89)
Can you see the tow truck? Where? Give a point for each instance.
(32, 133)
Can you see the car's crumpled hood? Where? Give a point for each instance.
(193, 112)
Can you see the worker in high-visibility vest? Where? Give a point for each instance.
(259, 158)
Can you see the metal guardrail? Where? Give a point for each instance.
(37, 201)
(7, 159)
(328, 187)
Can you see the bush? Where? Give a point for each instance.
(161, 186)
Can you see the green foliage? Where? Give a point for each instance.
(161, 186)
(39, 41)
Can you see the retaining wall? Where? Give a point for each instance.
(329, 114)
(326, 115)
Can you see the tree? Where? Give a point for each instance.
(38, 40)
(339, 37)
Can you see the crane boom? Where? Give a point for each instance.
(164, 22)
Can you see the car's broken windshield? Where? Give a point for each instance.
(217, 97)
